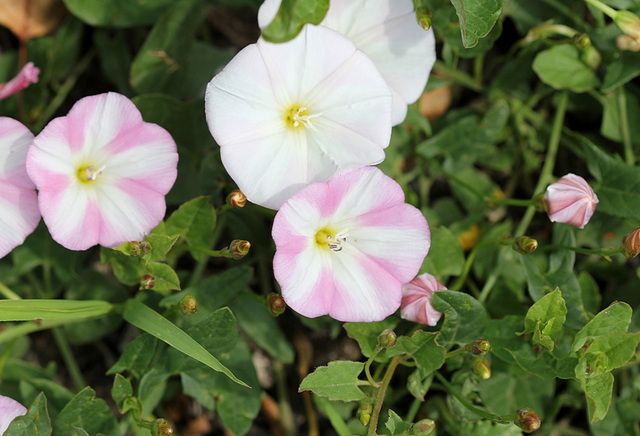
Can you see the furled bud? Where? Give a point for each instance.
(481, 367)
(189, 304)
(387, 338)
(628, 23)
(570, 201)
(239, 248)
(424, 427)
(423, 15)
(364, 413)
(276, 304)
(527, 420)
(525, 244)
(631, 244)
(479, 347)
(236, 199)
(147, 282)
(161, 427)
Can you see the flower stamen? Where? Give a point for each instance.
(297, 116)
(326, 238)
(89, 173)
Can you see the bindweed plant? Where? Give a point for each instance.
(323, 217)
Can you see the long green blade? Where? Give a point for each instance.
(49, 310)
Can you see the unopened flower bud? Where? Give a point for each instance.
(133, 247)
(628, 23)
(479, 347)
(527, 420)
(591, 56)
(582, 41)
(631, 244)
(364, 413)
(239, 248)
(236, 199)
(424, 427)
(276, 304)
(423, 15)
(481, 367)
(145, 247)
(161, 427)
(625, 42)
(189, 304)
(525, 244)
(387, 338)
(570, 200)
(147, 282)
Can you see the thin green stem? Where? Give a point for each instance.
(367, 367)
(625, 131)
(606, 252)
(607, 10)
(286, 413)
(198, 271)
(457, 76)
(504, 419)
(375, 415)
(69, 358)
(550, 160)
(8, 293)
(472, 257)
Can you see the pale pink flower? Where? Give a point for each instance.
(345, 247)
(571, 201)
(26, 76)
(416, 300)
(102, 173)
(10, 409)
(388, 32)
(19, 214)
(286, 115)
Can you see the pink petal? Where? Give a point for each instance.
(571, 201)
(26, 76)
(10, 409)
(416, 300)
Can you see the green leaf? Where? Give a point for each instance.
(292, 16)
(165, 277)
(619, 184)
(611, 127)
(445, 254)
(136, 356)
(395, 424)
(151, 390)
(614, 319)
(545, 319)
(561, 68)
(117, 13)
(57, 395)
(153, 323)
(503, 393)
(598, 389)
(622, 69)
(35, 422)
(87, 412)
(50, 310)
(366, 334)
(477, 18)
(422, 348)
(619, 348)
(120, 391)
(337, 381)
(127, 269)
(194, 221)
(464, 317)
(160, 246)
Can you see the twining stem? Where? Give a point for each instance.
(625, 131)
(458, 76)
(69, 359)
(8, 293)
(550, 160)
(504, 419)
(609, 11)
(367, 367)
(375, 415)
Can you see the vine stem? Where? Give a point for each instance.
(625, 131)
(8, 293)
(609, 11)
(373, 424)
(458, 76)
(550, 161)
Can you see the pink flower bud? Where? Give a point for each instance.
(571, 201)
(147, 282)
(416, 300)
(631, 244)
(527, 420)
(276, 304)
(26, 76)
(9, 410)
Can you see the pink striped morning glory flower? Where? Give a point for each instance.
(345, 247)
(286, 115)
(19, 214)
(26, 76)
(102, 173)
(387, 32)
(10, 409)
(416, 300)
(570, 200)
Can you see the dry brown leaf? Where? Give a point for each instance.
(435, 103)
(31, 18)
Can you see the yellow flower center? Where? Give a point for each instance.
(89, 173)
(296, 116)
(329, 239)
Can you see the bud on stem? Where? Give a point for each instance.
(525, 244)
(188, 305)
(631, 244)
(482, 368)
(236, 199)
(161, 427)
(387, 338)
(276, 304)
(527, 420)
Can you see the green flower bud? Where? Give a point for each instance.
(239, 248)
(527, 420)
(479, 347)
(387, 338)
(481, 367)
(147, 282)
(276, 304)
(525, 244)
(364, 413)
(424, 427)
(236, 199)
(423, 15)
(631, 244)
(189, 305)
(628, 23)
(161, 427)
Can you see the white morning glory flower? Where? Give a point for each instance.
(286, 115)
(387, 31)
